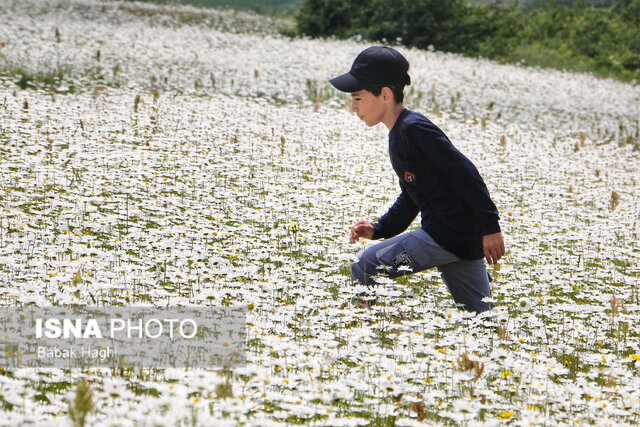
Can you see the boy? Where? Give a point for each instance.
(459, 220)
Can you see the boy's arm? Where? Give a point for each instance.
(399, 216)
(461, 174)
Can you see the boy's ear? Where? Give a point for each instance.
(387, 93)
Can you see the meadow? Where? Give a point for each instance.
(175, 156)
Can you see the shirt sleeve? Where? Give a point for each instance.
(399, 216)
(459, 171)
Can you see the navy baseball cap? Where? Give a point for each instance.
(374, 65)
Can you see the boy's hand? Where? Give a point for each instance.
(361, 228)
(493, 245)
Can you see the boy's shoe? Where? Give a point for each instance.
(364, 299)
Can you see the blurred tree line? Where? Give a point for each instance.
(601, 38)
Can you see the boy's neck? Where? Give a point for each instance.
(391, 116)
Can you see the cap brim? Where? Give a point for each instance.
(348, 83)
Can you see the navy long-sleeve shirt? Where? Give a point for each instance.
(440, 183)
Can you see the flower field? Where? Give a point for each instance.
(173, 156)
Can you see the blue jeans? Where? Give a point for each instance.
(467, 280)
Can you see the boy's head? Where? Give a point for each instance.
(374, 68)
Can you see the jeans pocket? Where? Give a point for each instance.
(416, 251)
(406, 256)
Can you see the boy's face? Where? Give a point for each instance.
(368, 107)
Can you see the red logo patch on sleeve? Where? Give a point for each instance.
(409, 177)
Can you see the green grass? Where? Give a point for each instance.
(52, 80)
(260, 6)
(538, 55)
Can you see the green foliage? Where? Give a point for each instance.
(334, 17)
(565, 35)
(383, 19)
(602, 40)
(534, 4)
